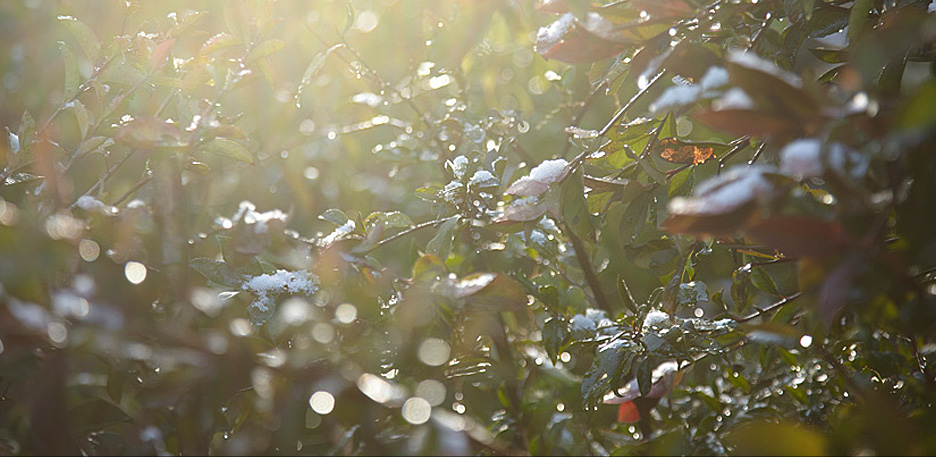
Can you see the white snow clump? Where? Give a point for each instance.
(266, 287)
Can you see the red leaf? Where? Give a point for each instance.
(161, 54)
(751, 122)
(802, 236)
(627, 413)
(566, 40)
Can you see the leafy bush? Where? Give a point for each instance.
(453, 227)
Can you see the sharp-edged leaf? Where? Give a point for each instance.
(335, 216)
(613, 361)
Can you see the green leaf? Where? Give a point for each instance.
(612, 362)
(217, 43)
(574, 207)
(428, 267)
(335, 216)
(82, 116)
(555, 336)
(394, 219)
(71, 72)
(645, 376)
(441, 244)
(691, 293)
(84, 35)
(315, 66)
(148, 132)
(858, 19)
(918, 114)
(635, 216)
(228, 148)
(26, 131)
(264, 49)
(763, 281)
(121, 73)
(217, 272)
(767, 438)
(830, 55)
(826, 20)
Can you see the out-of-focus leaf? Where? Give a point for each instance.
(569, 41)
(393, 219)
(441, 244)
(830, 55)
(765, 438)
(858, 19)
(335, 216)
(71, 72)
(148, 132)
(82, 116)
(228, 148)
(217, 43)
(217, 271)
(315, 66)
(162, 52)
(574, 208)
(826, 20)
(428, 267)
(917, 115)
(726, 203)
(83, 35)
(121, 73)
(803, 236)
(264, 49)
(488, 290)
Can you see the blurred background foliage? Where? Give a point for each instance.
(561, 227)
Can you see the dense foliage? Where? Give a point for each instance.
(462, 227)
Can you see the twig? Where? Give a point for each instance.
(630, 103)
(775, 306)
(412, 229)
(590, 277)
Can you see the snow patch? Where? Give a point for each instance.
(755, 62)
(552, 34)
(655, 319)
(734, 98)
(809, 158)
(267, 287)
(482, 178)
(726, 192)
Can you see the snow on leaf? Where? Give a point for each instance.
(809, 158)
(540, 177)
(726, 192)
(734, 98)
(752, 61)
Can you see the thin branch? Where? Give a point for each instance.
(590, 277)
(409, 231)
(630, 103)
(763, 311)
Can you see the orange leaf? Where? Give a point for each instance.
(627, 413)
(679, 152)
